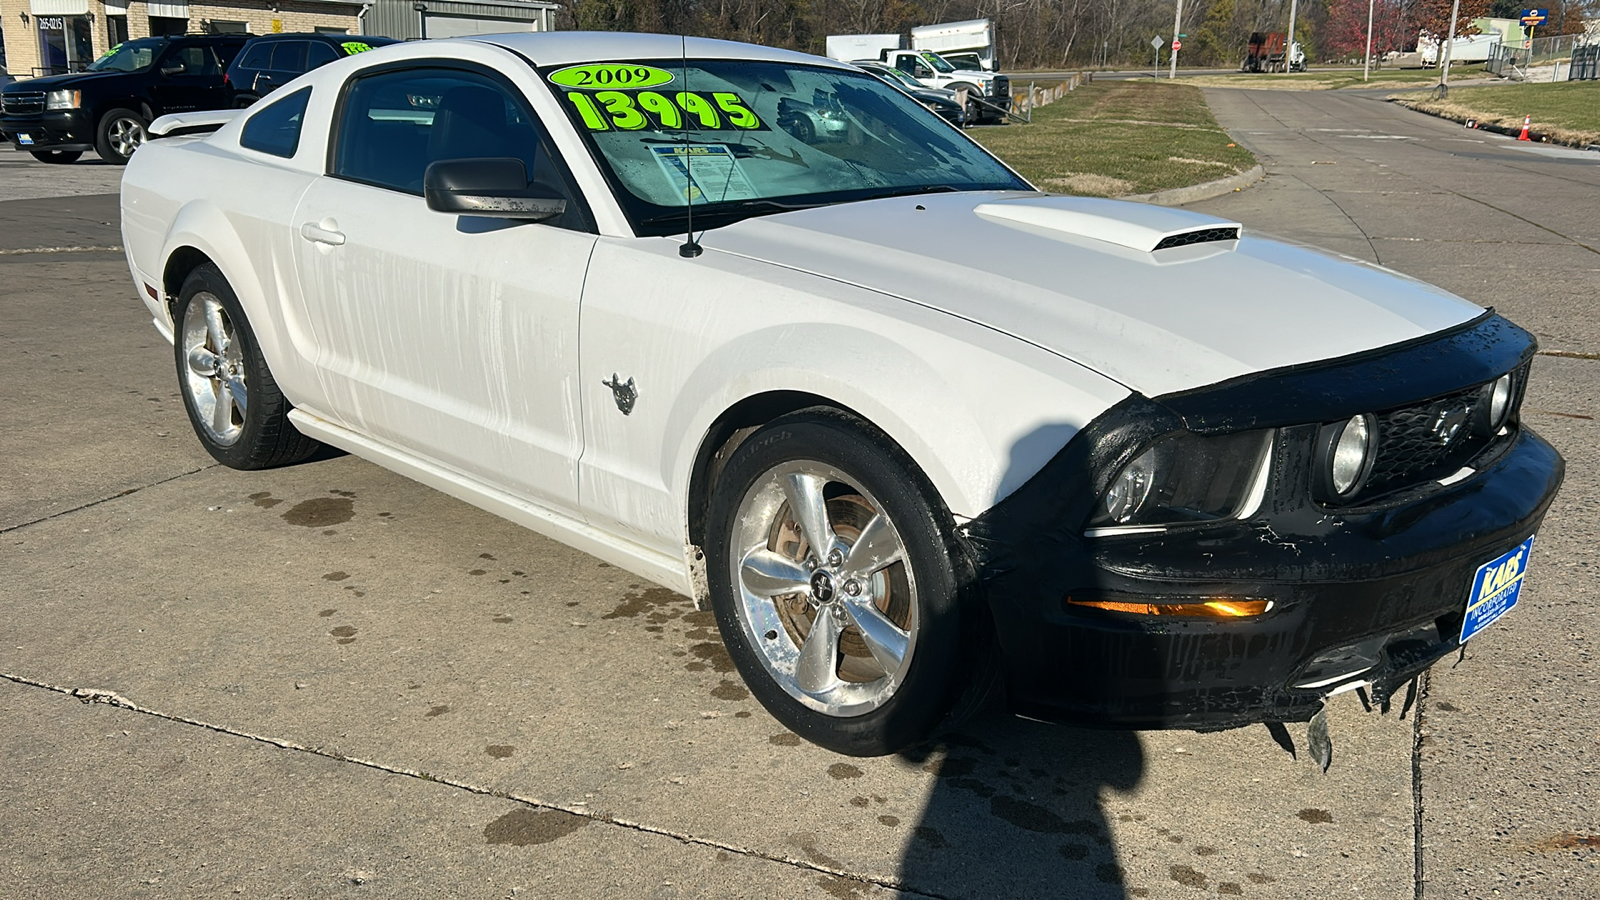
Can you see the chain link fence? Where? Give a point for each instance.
(1572, 55)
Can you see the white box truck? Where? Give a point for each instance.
(969, 38)
(846, 47)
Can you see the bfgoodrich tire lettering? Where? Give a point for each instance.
(834, 584)
(233, 402)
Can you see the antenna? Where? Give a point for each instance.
(690, 248)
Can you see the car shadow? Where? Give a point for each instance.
(1016, 811)
(1017, 807)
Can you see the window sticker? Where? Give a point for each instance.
(622, 111)
(610, 77)
(704, 173)
(351, 48)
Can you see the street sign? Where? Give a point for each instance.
(1177, 44)
(1535, 16)
(1155, 42)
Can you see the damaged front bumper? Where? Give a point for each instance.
(1332, 599)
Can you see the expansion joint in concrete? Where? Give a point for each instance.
(112, 698)
(93, 503)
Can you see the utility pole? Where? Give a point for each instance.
(1288, 49)
(1444, 57)
(1366, 62)
(1177, 26)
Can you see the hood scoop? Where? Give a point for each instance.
(1137, 226)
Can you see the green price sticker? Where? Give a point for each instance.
(610, 77)
(717, 110)
(351, 48)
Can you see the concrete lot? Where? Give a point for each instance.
(329, 681)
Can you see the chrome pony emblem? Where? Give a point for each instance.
(1448, 421)
(623, 392)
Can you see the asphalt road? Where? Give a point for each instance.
(326, 681)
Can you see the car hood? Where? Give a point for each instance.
(1079, 277)
(72, 80)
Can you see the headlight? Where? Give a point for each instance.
(1500, 402)
(63, 100)
(1187, 478)
(1344, 458)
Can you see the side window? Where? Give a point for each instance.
(394, 124)
(275, 127)
(320, 54)
(289, 56)
(258, 57)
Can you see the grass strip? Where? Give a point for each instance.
(1567, 112)
(1111, 138)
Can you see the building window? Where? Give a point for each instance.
(162, 26)
(217, 26)
(116, 30)
(65, 44)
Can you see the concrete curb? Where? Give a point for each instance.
(1507, 130)
(1197, 192)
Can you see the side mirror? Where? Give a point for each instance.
(495, 187)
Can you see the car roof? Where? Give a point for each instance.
(556, 48)
(321, 36)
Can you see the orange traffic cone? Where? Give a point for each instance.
(1526, 121)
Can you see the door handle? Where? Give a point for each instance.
(321, 235)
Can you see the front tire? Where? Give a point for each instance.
(234, 404)
(834, 581)
(121, 132)
(58, 157)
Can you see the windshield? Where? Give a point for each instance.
(899, 76)
(129, 56)
(937, 61)
(752, 138)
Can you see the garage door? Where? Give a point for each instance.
(440, 26)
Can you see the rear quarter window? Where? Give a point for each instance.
(275, 128)
(257, 56)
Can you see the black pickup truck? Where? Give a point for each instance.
(107, 107)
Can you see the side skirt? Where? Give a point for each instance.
(667, 571)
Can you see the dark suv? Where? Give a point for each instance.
(270, 62)
(107, 107)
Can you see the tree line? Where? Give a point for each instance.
(1034, 34)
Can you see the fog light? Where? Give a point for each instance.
(1500, 402)
(1214, 608)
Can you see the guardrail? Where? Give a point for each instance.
(1037, 96)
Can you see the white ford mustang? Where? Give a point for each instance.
(755, 326)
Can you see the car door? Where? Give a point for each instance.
(188, 77)
(453, 337)
(288, 61)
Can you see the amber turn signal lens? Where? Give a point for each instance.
(1217, 608)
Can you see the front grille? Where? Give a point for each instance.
(1002, 86)
(1430, 440)
(22, 103)
(1202, 236)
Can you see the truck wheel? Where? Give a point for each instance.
(121, 132)
(975, 113)
(57, 156)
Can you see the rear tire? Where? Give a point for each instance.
(234, 404)
(60, 157)
(121, 132)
